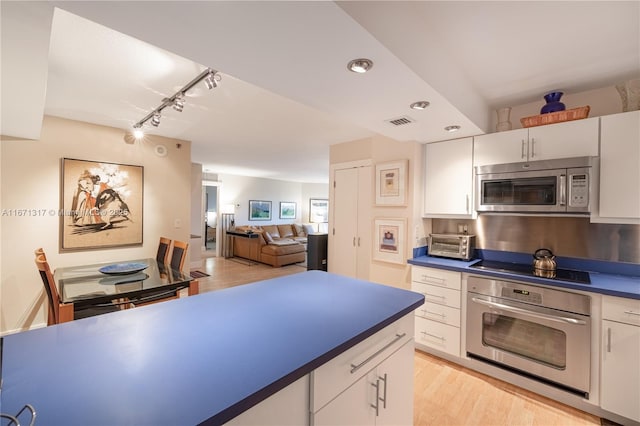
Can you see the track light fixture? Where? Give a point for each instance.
(211, 78)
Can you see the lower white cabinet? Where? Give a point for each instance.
(384, 396)
(620, 357)
(437, 322)
(370, 384)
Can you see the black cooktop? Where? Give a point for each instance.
(528, 270)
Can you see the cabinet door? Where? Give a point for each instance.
(396, 389)
(620, 167)
(577, 138)
(365, 228)
(351, 407)
(501, 147)
(620, 375)
(449, 178)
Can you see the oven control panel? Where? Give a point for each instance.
(522, 295)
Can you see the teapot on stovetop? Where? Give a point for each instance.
(544, 259)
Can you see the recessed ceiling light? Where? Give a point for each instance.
(419, 105)
(452, 128)
(360, 66)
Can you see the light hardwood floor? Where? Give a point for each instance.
(445, 394)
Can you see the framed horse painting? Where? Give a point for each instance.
(102, 205)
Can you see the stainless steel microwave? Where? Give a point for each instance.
(456, 246)
(565, 185)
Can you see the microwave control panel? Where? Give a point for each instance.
(579, 190)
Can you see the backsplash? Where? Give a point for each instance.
(565, 236)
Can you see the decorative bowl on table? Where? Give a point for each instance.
(123, 268)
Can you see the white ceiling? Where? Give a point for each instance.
(286, 95)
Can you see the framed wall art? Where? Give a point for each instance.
(259, 210)
(102, 205)
(389, 240)
(318, 210)
(287, 210)
(391, 183)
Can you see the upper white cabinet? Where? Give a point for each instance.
(577, 138)
(619, 169)
(449, 178)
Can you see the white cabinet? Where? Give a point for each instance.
(370, 384)
(448, 178)
(577, 138)
(619, 169)
(438, 320)
(349, 251)
(290, 406)
(384, 396)
(620, 357)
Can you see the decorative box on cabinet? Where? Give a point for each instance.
(371, 383)
(619, 169)
(448, 180)
(620, 355)
(562, 140)
(438, 320)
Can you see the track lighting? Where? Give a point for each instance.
(178, 102)
(211, 78)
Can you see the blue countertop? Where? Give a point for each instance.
(197, 360)
(611, 278)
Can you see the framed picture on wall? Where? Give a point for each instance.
(287, 210)
(389, 240)
(259, 210)
(102, 205)
(391, 183)
(318, 210)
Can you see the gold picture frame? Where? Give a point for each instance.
(101, 205)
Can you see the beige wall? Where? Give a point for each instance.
(380, 149)
(30, 179)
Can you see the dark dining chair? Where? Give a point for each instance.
(163, 250)
(178, 256)
(54, 297)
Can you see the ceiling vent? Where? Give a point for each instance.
(400, 121)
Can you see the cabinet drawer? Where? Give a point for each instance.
(621, 310)
(439, 295)
(440, 313)
(442, 337)
(330, 379)
(439, 277)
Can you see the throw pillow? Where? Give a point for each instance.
(267, 237)
(308, 229)
(299, 230)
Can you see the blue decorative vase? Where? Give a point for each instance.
(553, 103)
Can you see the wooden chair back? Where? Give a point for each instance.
(163, 250)
(50, 288)
(178, 255)
(40, 252)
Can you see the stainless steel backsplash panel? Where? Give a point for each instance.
(565, 236)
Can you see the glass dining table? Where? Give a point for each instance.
(98, 283)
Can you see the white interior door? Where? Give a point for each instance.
(342, 255)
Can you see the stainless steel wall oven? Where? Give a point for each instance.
(539, 332)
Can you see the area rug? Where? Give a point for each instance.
(198, 274)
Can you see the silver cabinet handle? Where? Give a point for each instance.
(433, 313)
(608, 339)
(563, 190)
(435, 295)
(467, 203)
(355, 368)
(384, 393)
(528, 313)
(533, 147)
(433, 335)
(632, 313)
(358, 241)
(354, 241)
(377, 405)
(434, 280)
(523, 152)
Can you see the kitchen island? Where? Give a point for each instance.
(198, 360)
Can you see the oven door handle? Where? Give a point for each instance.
(528, 312)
